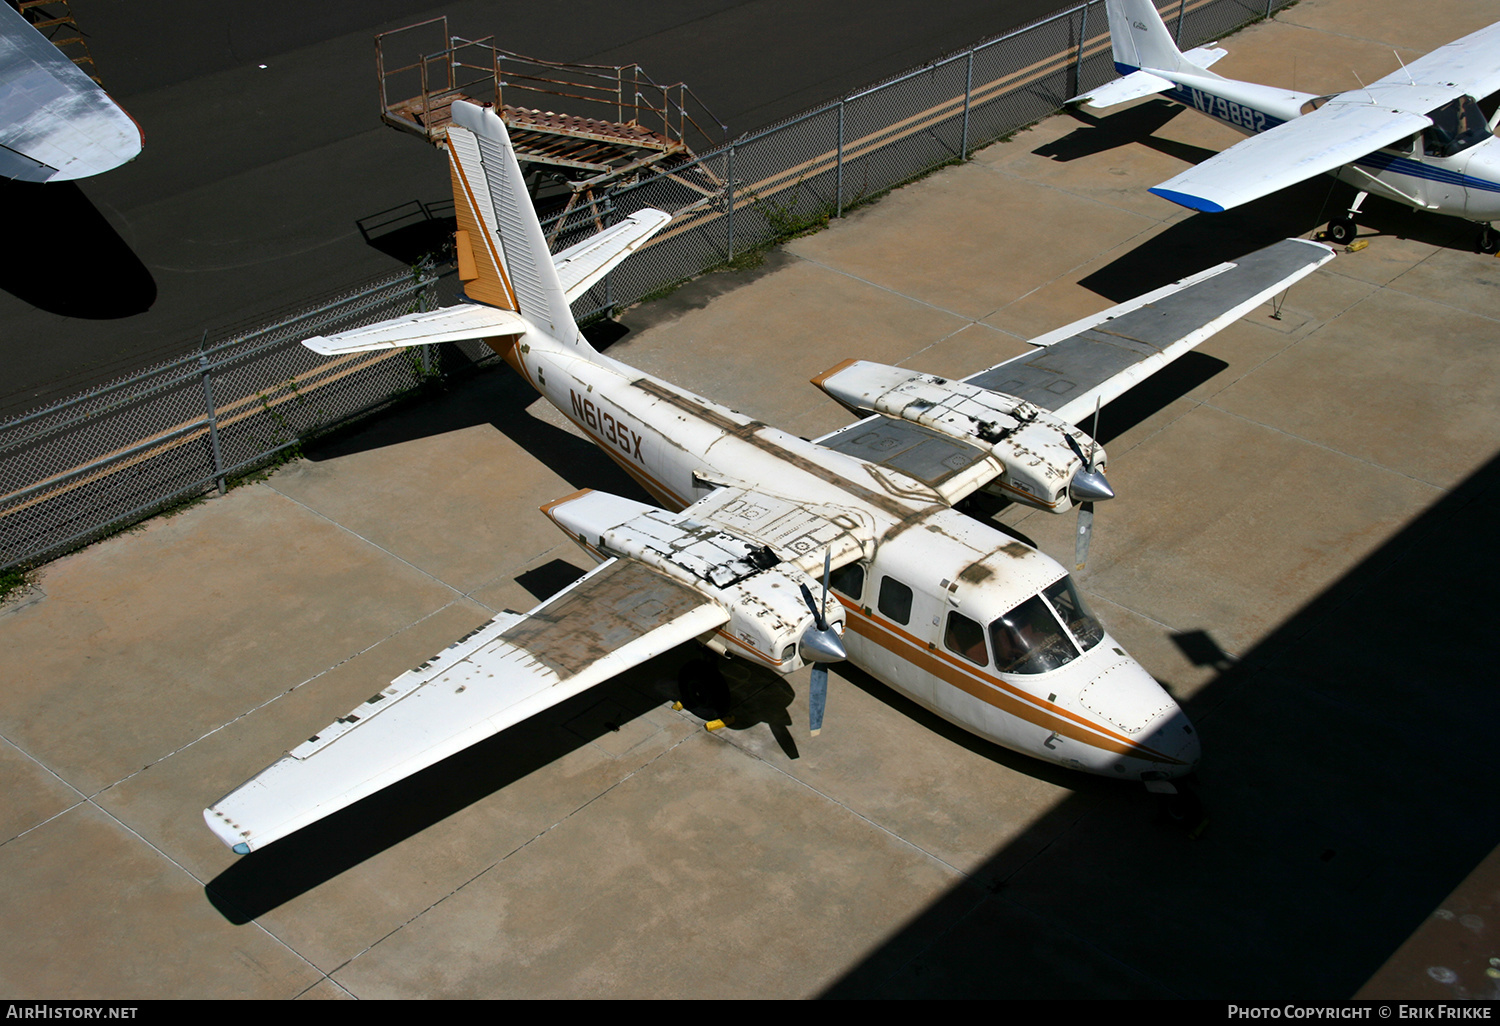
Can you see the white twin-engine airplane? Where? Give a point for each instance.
(1416, 136)
(970, 623)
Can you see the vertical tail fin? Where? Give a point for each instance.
(503, 259)
(1140, 38)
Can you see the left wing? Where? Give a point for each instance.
(1335, 134)
(1010, 421)
(513, 667)
(1099, 358)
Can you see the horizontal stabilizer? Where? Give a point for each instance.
(1131, 87)
(1100, 358)
(452, 324)
(581, 265)
(513, 667)
(1338, 133)
(1142, 83)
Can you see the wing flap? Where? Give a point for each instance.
(1335, 134)
(451, 324)
(513, 667)
(1101, 358)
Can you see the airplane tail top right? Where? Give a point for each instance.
(1416, 136)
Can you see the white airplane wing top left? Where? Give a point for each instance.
(56, 123)
(1468, 63)
(613, 618)
(1335, 134)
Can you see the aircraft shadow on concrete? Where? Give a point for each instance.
(1346, 773)
(497, 397)
(65, 258)
(1099, 134)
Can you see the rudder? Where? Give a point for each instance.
(503, 258)
(1140, 38)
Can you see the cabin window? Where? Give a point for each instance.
(848, 580)
(1455, 127)
(966, 638)
(1028, 639)
(895, 600)
(1075, 616)
(1407, 146)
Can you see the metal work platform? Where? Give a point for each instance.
(619, 123)
(54, 19)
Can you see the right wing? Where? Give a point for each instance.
(1469, 63)
(615, 617)
(1335, 134)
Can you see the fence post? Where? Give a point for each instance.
(213, 419)
(1181, 7)
(729, 210)
(1083, 34)
(838, 174)
(963, 145)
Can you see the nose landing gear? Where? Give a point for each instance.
(1342, 230)
(1178, 805)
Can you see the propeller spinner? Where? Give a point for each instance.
(820, 645)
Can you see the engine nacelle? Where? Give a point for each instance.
(1029, 441)
(767, 614)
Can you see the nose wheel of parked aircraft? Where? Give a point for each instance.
(1489, 239)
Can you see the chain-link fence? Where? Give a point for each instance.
(76, 470)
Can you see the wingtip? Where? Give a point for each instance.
(1187, 199)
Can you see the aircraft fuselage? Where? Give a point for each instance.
(935, 611)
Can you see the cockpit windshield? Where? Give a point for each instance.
(1064, 597)
(1033, 638)
(1455, 127)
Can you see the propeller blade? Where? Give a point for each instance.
(1094, 434)
(1085, 530)
(817, 698)
(1077, 450)
(813, 608)
(827, 557)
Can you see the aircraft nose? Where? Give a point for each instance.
(1177, 738)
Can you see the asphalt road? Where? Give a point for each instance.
(264, 149)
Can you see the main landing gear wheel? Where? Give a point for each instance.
(1489, 240)
(1342, 230)
(701, 685)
